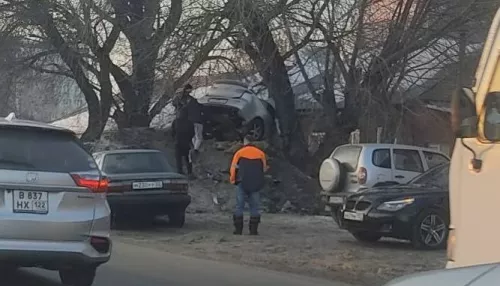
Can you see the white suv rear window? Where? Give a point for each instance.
(349, 156)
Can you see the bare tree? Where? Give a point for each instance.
(256, 38)
(87, 35)
(384, 52)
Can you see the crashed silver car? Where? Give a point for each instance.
(231, 109)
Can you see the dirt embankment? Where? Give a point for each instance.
(309, 245)
(287, 189)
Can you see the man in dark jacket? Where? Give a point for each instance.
(183, 132)
(195, 115)
(247, 172)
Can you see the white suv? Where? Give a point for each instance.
(356, 166)
(53, 208)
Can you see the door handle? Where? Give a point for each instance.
(400, 177)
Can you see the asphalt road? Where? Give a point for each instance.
(134, 266)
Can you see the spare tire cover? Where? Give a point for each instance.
(329, 174)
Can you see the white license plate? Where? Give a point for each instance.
(353, 216)
(336, 200)
(31, 202)
(147, 185)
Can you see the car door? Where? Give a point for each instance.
(407, 164)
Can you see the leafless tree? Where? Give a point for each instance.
(89, 36)
(382, 54)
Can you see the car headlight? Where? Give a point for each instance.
(393, 206)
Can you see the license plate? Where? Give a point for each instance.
(31, 202)
(353, 216)
(147, 185)
(336, 200)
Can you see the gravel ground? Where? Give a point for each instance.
(311, 245)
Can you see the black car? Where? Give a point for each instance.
(417, 211)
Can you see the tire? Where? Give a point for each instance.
(332, 175)
(256, 129)
(365, 236)
(430, 230)
(177, 219)
(78, 276)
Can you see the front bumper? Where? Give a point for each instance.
(390, 224)
(157, 203)
(50, 254)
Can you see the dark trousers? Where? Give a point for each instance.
(181, 156)
(253, 200)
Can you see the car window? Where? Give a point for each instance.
(382, 158)
(434, 159)
(437, 176)
(140, 162)
(44, 151)
(407, 160)
(348, 155)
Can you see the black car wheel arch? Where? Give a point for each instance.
(430, 229)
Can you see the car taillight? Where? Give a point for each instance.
(362, 175)
(176, 185)
(101, 244)
(93, 182)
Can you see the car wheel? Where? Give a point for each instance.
(177, 219)
(332, 175)
(78, 276)
(430, 230)
(365, 236)
(256, 129)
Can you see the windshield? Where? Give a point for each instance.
(437, 176)
(140, 162)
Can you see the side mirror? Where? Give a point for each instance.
(463, 113)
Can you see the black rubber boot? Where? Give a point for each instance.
(238, 225)
(253, 226)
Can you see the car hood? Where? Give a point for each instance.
(398, 191)
(481, 275)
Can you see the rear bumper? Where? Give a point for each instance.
(158, 203)
(50, 254)
(333, 201)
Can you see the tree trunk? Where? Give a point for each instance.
(280, 89)
(143, 58)
(72, 59)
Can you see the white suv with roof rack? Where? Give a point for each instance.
(353, 167)
(53, 208)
